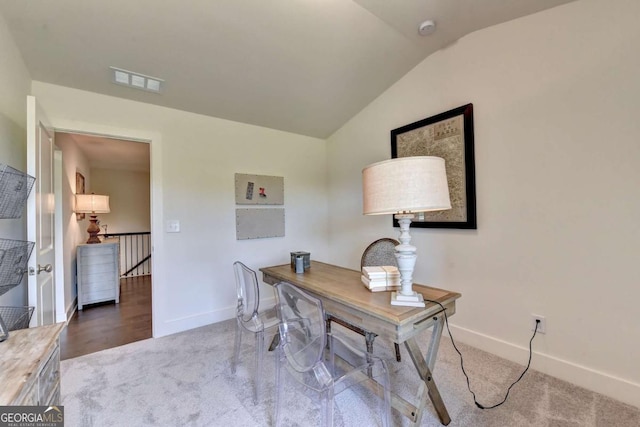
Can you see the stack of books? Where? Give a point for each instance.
(382, 278)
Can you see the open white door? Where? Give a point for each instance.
(40, 215)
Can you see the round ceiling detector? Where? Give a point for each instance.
(427, 27)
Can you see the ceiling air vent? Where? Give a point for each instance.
(136, 80)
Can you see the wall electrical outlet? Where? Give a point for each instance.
(542, 326)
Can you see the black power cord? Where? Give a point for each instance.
(479, 405)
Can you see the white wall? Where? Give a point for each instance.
(193, 161)
(129, 199)
(130, 203)
(74, 231)
(556, 97)
(14, 87)
(14, 82)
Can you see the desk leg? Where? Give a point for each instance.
(425, 374)
(434, 345)
(369, 337)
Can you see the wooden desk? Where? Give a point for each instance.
(30, 366)
(344, 296)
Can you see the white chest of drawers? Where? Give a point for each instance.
(98, 273)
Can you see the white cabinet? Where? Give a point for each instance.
(98, 273)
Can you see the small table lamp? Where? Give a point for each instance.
(92, 204)
(404, 186)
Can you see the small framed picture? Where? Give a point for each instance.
(79, 190)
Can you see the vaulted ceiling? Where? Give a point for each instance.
(304, 66)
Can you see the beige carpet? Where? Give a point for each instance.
(185, 380)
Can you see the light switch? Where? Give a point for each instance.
(172, 226)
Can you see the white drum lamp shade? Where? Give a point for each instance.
(92, 204)
(404, 186)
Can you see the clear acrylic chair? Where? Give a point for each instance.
(303, 353)
(248, 319)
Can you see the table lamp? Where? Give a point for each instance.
(403, 187)
(92, 204)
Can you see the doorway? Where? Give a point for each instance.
(119, 168)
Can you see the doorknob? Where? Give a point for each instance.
(47, 268)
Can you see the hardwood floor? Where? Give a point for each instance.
(102, 326)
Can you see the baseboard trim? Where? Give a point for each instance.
(583, 376)
(71, 310)
(174, 326)
(181, 324)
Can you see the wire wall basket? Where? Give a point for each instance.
(15, 187)
(14, 256)
(16, 318)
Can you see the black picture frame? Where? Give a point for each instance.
(79, 190)
(448, 135)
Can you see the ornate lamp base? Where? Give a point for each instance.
(406, 258)
(415, 300)
(93, 230)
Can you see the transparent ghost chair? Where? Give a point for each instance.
(248, 319)
(303, 354)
